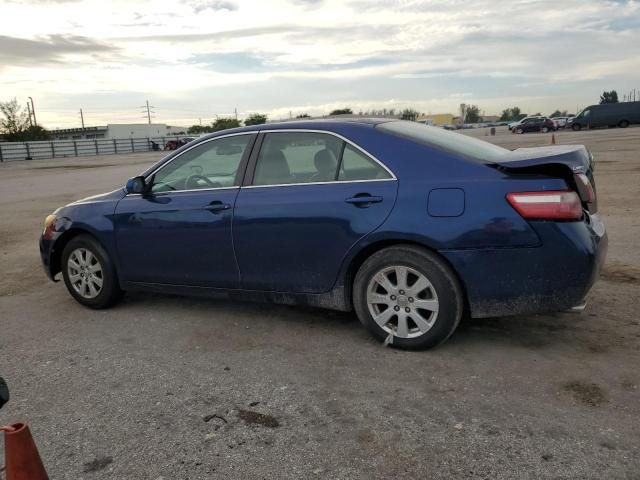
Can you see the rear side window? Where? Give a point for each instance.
(312, 157)
(456, 143)
(297, 157)
(357, 166)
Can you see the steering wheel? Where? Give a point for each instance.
(192, 182)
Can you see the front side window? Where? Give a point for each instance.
(310, 157)
(212, 164)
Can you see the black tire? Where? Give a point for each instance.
(623, 123)
(576, 127)
(444, 283)
(545, 129)
(519, 131)
(110, 291)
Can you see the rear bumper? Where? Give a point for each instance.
(554, 276)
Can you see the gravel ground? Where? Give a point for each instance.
(170, 387)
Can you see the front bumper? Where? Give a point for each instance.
(555, 276)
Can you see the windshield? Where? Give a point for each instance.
(456, 143)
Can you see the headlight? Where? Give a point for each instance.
(49, 227)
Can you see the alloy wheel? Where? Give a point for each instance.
(85, 273)
(402, 301)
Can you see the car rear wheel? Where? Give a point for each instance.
(89, 273)
(623, 124)
(545, 129)
(408, 297)
(576, 127)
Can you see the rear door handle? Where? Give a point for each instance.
(363, 200)
(217, 206)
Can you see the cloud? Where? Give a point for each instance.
(48, 49)
(214, 5)
(283, 54)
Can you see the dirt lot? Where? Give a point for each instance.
(170, 387)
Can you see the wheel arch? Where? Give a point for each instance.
(61, 242)
(358, 259)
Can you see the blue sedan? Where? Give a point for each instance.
(411, 226)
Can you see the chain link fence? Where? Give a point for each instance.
(11, 151)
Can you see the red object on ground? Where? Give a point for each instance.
(21, 457)
(553, 139)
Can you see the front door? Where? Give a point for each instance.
(180, 233)
(312, 197)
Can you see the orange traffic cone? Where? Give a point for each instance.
(553, 139)
(22, 460)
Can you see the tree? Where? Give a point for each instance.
(559, 113)
(35, 132)
(255, 119)
(609, 97)
(408, 114)
(199, 129)
(15, 121)
(512, 113)
(472, 114)
(303, 115)
(224, 124)
(15, 126)
(341, 111)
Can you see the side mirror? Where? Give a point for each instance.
(138, 185)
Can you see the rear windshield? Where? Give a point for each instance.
(456, 143)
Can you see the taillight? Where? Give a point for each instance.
(586, 188)
(551, 205)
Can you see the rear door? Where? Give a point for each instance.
(308, 197)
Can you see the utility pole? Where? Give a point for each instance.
(82, 120)
(29, 112)
(236, 110)
(33, 112)
(148, 108)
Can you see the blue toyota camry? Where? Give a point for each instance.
(410, 226)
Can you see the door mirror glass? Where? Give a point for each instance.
(136, 185)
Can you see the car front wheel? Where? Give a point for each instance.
(576, 127)
(89, 273)
(408, 297)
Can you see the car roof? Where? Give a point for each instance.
(329, 123)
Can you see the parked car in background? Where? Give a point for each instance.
(409, 225)
(606, 115)
(513, 125)
(176, 143)
(560, 122)
(538, 124)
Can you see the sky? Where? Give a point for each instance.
(198, 59)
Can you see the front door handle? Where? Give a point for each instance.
(363, 200)
(217, 206)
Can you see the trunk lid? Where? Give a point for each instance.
(565, 161)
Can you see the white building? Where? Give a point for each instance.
(119, 130)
